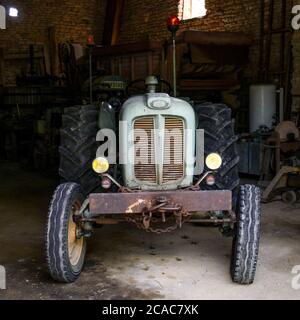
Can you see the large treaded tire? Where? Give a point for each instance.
(78, 146)
(219, 138)
(57, 231)
(247, 235)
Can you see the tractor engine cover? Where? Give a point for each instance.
(157, 140)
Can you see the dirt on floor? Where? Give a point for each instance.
(126, 263)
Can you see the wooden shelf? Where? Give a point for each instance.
(211, 84)
(130, 48)
(22, 56)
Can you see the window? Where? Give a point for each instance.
(13, 12)
(193, 9)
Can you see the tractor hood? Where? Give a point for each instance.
(170, 165)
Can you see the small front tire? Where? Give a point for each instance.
(65, 251)
(247, 235)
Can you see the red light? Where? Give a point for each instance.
(173, 21)
(90, 40)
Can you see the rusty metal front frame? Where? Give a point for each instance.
(138, 202)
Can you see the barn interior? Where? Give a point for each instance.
(55, 55)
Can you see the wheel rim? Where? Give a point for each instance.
(75, 245)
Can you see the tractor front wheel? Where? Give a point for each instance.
(65, 247)
(247, 235)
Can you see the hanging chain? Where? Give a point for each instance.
(146, 220)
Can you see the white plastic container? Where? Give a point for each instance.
(262, 106)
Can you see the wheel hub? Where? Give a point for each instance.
(75, 243)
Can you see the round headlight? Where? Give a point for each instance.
(213, 161)
(100, 165)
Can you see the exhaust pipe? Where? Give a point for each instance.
(173, 26)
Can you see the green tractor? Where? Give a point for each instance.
(156, 185)
(158, 162)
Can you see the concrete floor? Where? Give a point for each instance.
(125, 263)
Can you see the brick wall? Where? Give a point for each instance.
(296, 68)
(72, 19)
(233, 15)
(296, 71)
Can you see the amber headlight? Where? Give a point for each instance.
(100, 165)
(213, 161)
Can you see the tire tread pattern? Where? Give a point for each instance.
(215, 120)
(57, 233)
(78, 146)
(247, 235)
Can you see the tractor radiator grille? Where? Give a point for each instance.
(144, 162)
(172, 169)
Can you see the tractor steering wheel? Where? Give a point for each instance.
(138, 86)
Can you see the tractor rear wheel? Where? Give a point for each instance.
(219, 137)
(78, 146)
